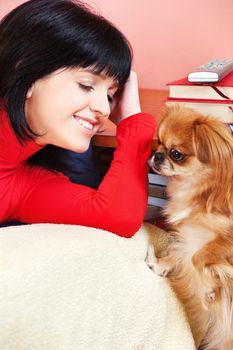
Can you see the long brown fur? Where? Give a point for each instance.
(199, 264)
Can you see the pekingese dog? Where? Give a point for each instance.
(196, 152)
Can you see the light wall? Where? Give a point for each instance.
(169, 37)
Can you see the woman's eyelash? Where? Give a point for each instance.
(110, 99)
(89, 88)
(85, 87)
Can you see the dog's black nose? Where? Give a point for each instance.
(158, 158)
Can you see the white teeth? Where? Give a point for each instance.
(85, 123)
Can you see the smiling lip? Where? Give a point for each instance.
(86, 124)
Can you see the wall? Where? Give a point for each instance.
(169, 37)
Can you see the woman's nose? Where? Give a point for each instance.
(100, 106)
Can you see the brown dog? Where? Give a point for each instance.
(196, 152)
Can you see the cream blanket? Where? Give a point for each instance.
(76, 288)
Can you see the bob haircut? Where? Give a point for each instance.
(42, 36)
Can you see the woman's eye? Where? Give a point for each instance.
(85, 87)
(90, 88)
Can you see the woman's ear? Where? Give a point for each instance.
(30, 91)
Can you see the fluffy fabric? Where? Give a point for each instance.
(76, 288)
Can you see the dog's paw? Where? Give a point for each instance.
(151, 265)
(160, 266)
(151, 259)
(165, 265)
(211, 297)
(208, 299)
(160, 269)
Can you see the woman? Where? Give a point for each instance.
(60, 68)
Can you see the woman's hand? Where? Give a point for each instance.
(126, 101)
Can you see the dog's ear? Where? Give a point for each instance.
(202, 141)
(212, 141)
(213, 145)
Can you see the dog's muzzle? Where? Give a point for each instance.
(157, 159)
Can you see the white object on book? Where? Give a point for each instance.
(213, 71)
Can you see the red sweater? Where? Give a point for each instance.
(33, 194)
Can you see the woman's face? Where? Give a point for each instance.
(68, 107)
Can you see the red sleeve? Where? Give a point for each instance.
(118, 205)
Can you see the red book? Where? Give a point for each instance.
(212, 99)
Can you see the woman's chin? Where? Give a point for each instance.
(79, 148)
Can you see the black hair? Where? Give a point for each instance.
(42, 36)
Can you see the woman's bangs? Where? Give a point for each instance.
(112, 60)
(115, 67)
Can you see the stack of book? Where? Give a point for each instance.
(214, 99)
(157, 198)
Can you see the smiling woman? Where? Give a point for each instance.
(58, 79)
(68, 107)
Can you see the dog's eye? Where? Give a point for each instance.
(176, 155)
